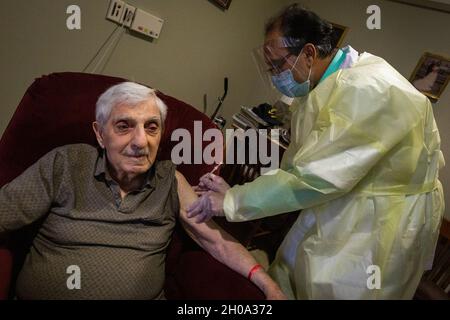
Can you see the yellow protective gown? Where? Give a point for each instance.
(363, 165)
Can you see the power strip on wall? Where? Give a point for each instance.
(134, 18)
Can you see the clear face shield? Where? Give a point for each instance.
(273, 58)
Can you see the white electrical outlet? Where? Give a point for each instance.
(147, 24)
(115, 10)
(128, 15)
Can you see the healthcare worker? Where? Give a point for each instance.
(362, 164)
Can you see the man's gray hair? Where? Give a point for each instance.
(129, 93)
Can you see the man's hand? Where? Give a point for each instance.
(207, 206)
(270, 288)
(212, 189)
(275, 293)
(211, 182)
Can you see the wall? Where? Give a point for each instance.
(199, 46)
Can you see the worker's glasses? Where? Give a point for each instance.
(275, 57)
(271, 58)
(275, 66)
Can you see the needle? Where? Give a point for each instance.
(216, 167)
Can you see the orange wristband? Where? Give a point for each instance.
(253, 270)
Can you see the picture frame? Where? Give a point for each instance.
(437, 5)
(431, 75)
(222, 4)
(339, 33)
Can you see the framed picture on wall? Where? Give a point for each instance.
(431, 75)
(222, 4)
(339, 32)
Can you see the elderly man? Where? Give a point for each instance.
(110, 212)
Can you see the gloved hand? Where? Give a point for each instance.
(212, 190)
(210, 181)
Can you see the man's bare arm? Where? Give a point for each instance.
(221, 245)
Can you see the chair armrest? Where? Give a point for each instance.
(6, 262)
(200, 277)
(192, 273)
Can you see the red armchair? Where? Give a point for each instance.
(58, 109)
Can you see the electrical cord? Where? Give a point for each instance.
(113, 44)
(113, 38)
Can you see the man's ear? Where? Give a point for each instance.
(310, 52)
(98, 133)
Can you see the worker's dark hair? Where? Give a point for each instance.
(300, 23)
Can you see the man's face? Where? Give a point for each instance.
(279, 59)
(131, 138)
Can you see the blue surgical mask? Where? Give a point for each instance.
(286, 84)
